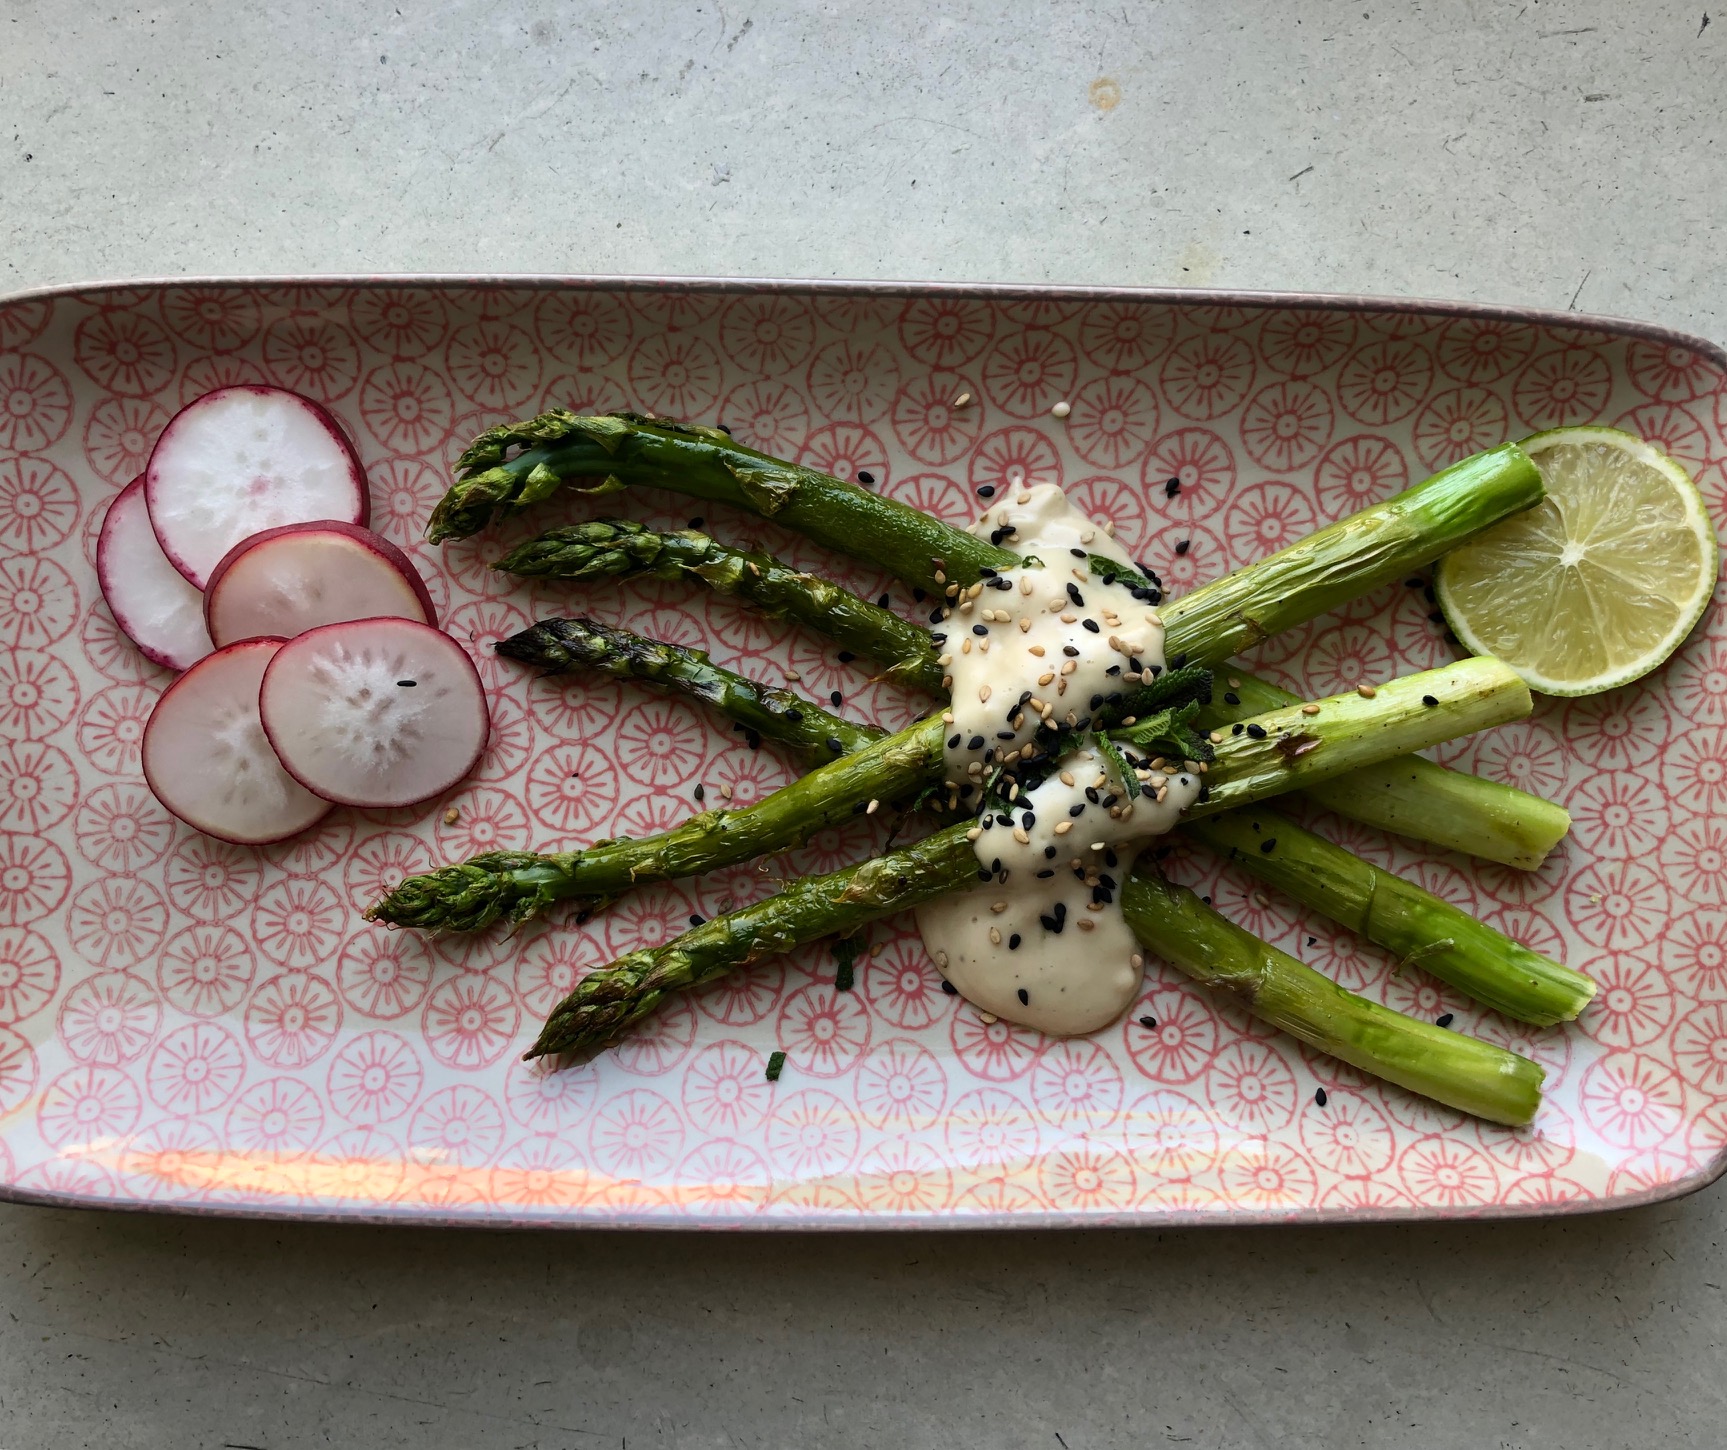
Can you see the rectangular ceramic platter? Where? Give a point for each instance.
(201, 1027)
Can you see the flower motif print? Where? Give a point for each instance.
(375, 1078)
(677, 375)
(38, 786)
(1169, 1135)
(172, 1159)
(1633, 1101)
(583, 330)
(211, 880)
(1207, 375)
(1448, 1173)
(540, 1172)
(1251, 1087)
(1089, 1178)
(1694, 953)
(298, 922)
(1015, 458)
(1077, 1085)
(487, 819)
(121, 828)
(38, 505)
(311, 356)
(212, 319)
(905, 1176)
(116, 921)
(1357, 472)
(1199, 463)
(1269, 1176)
(407, 407)
(945, 332)
(124, 352)
(1482, 350)
(34, 879)
(635, 1134)
(769, 415)
(1028, 371)
(88, 1105)
(195, 1069)
(1384, 381)
(109, 1019)
(549, 1099)
(1670, 372)
(928, 424)
(292, 1019)
(901, 1084)
(1568, 386)
(846, 450)
(29, 973)
(1125, 337)
(1181, 1041)
(38, 694)
(204, 971)
(767, 335)
(1113, 421)
(1457, 423)
(1286, 425)
(823, 1032)
(38, 602)
(1300, 344)
(470, 1021)
(725, 1090)
(399, 322)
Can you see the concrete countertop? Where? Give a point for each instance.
(1545, 153)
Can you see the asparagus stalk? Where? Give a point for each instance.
(1329, 567)
(1461, 1072)
(1410, 797)
(619, 549)
(559, 645)
(1476, 692)
(1446, 1066)
(1413, 797)
(1420, 928)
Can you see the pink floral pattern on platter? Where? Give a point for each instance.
(187, 1021)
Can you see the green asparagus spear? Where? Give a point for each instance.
(1411, 797)
(1414, 797)
(1422, 929)
(558, 645)
(619, 549)
(1461, 1072)
(1329, 567)
(1450, 1068)
(1415, 925)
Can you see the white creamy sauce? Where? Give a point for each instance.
(1048, 946)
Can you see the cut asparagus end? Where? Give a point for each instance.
(1414, 797)
(1461, 1072)
(1297, 746)
(1418, 928)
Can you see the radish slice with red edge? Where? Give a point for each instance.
(375, 712)
(288, 580)
(244, 459)
(207, 759)
(149, 598)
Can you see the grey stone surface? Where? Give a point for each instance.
(1544, 153)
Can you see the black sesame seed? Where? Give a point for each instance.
(1435, 617)
(934, 639)
(1024, 997)
(1091, 624)
(1443, 1020)
(1074, 594)
(980, 629)
(1268, 844)
(1049, 853)
(1179, 662)
(1148, 1023)
(1013, 942)
(1070, 650)
(1313, 941)
(1429, 701)
(1206, 900)
(986, 490)
(835, 746)
(1096, 700)
(793, 717)
(1078, 554)
(984, 873)
(1257, 732)
(949, 988)
(695, 523)
(754, 738)
(1412, 583)
(408, 684)
(1182, 547)
(845, 656)
(975, 743)
(1319, 1097)
(883, 600)
(1172, 488)
(919, 595)
(937, 615)
(1231, 698)
(865, 476)
(1076, 809)
(953, 742)
(1004, 735)
(696, 919)
(700, 793)
(1237, 728)
(836, 697)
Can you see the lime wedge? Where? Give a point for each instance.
(1597, 584)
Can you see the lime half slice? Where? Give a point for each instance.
(1597, 584)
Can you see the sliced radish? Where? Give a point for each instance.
(243, 459)
(375, 712)
(207, 758)
(288, 580)
(149, 598)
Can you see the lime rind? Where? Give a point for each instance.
(1521, 639)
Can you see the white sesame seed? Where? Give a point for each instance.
(1062, 409)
